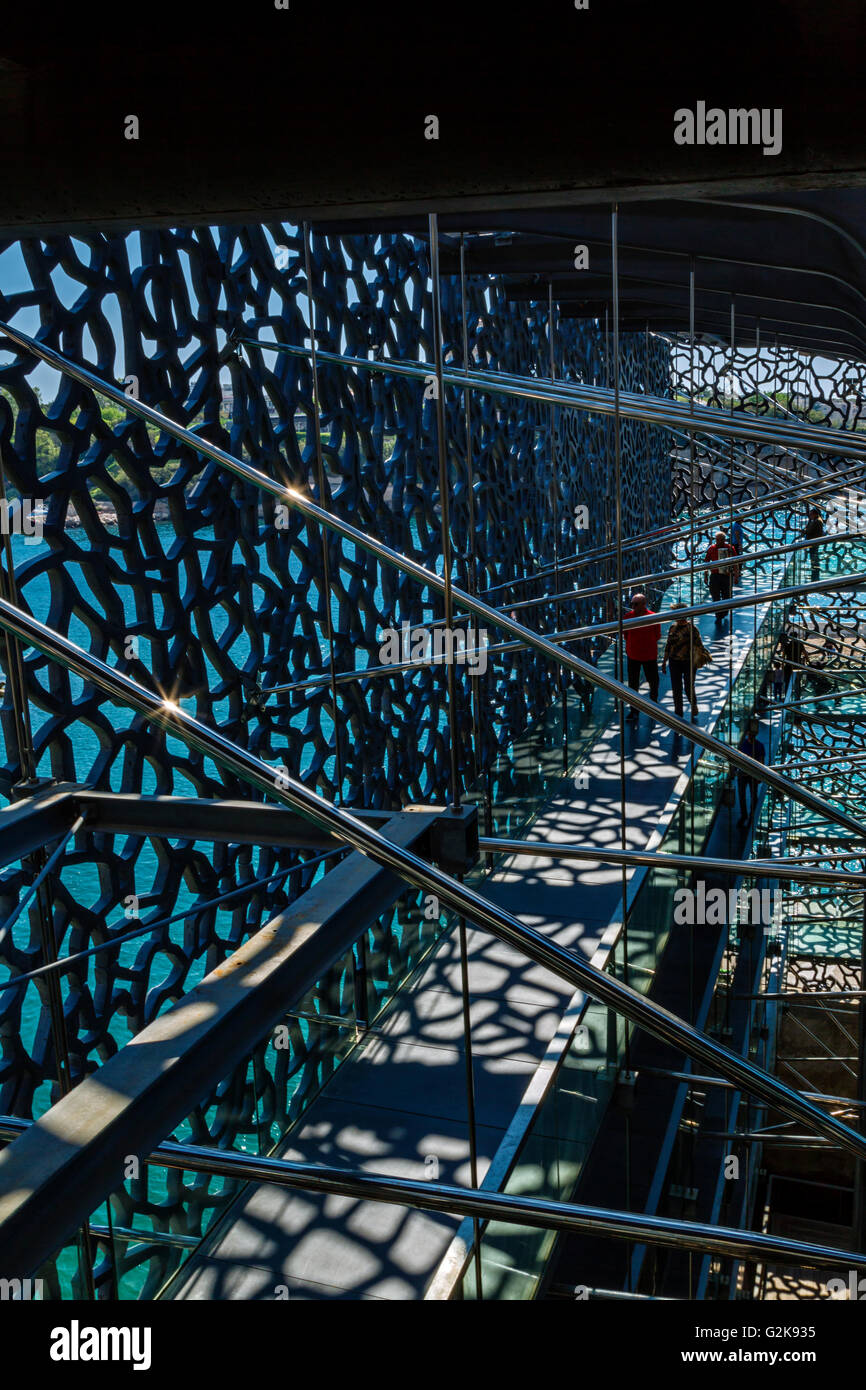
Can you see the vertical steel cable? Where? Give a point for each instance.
(755, 567)
(617, 457)
(691, 798)
(731, 632)
(359, 950)
(444, 509)
(730, 535)
(445, 522)
(621, 663)
(860, 1184)
(689, 811)
(691, 432)
(555, 499)
(769, 672)
(647, 428)
(323, 502)
(44, 898)
(608, 530)
(472, 572)
(20, 705)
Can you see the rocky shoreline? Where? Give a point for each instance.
(107, 514)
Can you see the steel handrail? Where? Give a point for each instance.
(757, 868)
(599, 399)
(484, 1205)
(831, 584)
(525, 636)
(452, 894)
(574, 634)
(705, 523)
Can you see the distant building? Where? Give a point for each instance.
(840, 412)
(228, 402)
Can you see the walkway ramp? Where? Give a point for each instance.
(397, 1105)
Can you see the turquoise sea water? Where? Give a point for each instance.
(82, 878)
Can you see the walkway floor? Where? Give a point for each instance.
(398, 1104)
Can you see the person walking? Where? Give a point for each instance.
(794, 652)
(642, 650)
(685, 653)
(720, 580)
(814, 529)
(747, 786)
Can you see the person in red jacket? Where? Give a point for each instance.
(642, 649)
(720, 580)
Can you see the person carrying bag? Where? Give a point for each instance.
(685, 653)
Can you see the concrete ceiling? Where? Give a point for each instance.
(252, 112)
